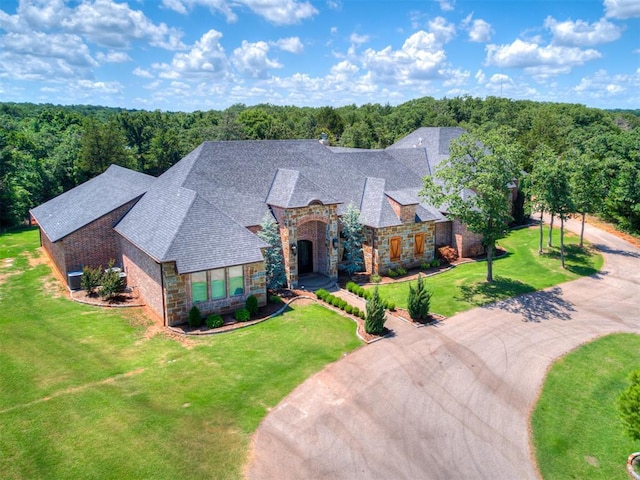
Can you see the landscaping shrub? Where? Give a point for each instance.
(351, 286)
(195, 319)
(375, 278)
(215, 321)
(401, 271)
(425, 265)
(90, 279)
(111, 282)
(356, 311)
(390, 305)
(629, 406)
(275, 299)
(342, 304)
(251, 304)
(419, 300)
(322, 293)
(375, 317)
(348, 308)
(392, 273)
(242, 315)
(359, 291)
(448, 254)
(435, 263)
(362, 315)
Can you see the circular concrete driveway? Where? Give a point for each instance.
(447, 401)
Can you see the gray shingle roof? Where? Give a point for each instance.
(290, 189)
(89, 201)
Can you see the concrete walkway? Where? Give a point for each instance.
(447, 401)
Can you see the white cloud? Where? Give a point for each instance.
(113, 57)
(99, 87)
(622, 9)
(115, 25)
(141, 72)
(206, 57)
(580, 33)
(442, 30)
(479, 30)
(480, 77)
(291, 45)
(602, 85)
(538, 60)
(446, 5)
(358, 39)
(278, 12)
(454, 77)
(251, 59)
(334, 4)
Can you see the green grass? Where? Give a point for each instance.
(576, 429)
(522, 270)
(85, 394)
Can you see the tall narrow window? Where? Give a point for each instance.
(418, 245)
(395, 248)
(199, 287)
(218, 284)
(236, 281)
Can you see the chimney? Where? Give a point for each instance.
(323, 139)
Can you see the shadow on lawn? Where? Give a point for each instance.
(501, 288)
(539, 306)
(577, 259)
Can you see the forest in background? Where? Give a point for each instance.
(48, 149)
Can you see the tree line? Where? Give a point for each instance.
(47, 149)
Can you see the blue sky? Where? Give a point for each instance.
(185, 55)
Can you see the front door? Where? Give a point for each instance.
(305, 257)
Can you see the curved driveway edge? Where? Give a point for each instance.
(447, 401)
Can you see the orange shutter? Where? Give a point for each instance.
(418, 245)
(395, 248)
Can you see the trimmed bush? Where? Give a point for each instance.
(275, 299)
(392, 273)
(214, 321)
(242, 315)
(348, 308)
(435, 263)
(343, 304)
(401, 271)
(425, 265)
(322, 293)
(362, 315)
(195, 319)
(390, 305)
(351, 286)
(419, 300)
(375, 278)
(251, 304)
(359, 291)
(356, 311)
(90, 279)
(375, 317)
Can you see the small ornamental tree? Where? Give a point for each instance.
(195, 318)
(375, 316)
(353, 239)
(90, 279)
(273, 261)
(251, 304)
(111, 282)
(419, 300)
(629, 406)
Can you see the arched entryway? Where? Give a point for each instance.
(305, 257)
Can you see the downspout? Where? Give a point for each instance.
(164, 303)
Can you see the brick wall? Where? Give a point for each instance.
(143, 274)
(178, 293)
(406, 213)
(443, 234)
(55, 251)
(467, 243)
(94, 244)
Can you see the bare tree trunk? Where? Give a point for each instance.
(584, 217)
(562, 240)
(541, 232)
(550, 230)
(489, 263)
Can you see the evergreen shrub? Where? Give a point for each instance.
(242, 315)
(214, 321)
(195, 319)
(251, 304)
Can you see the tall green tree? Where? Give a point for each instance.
(102, 145)
(353, 238)
(560, 200)
(475, 186)
(586, 183)
(376, 315)
(419, 300)
(540, 186)
(273, 260)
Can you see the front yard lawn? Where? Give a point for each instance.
(576, 429)
(91, 393)
(522, 270)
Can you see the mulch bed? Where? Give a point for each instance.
(127, 298)
(432, 318)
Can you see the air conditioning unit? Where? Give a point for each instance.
(74, 280)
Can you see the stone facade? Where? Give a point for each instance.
(316, 223)
(177, 292)
(377, 248)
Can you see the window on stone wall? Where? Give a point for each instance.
(218, 284)
(395, 248)
(236, 281)
(199, 287)
(212, 284)
(418, 244)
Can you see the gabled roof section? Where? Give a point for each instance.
(375, 210)
(407, 196)
(290, 189)
(433, 141)
(174, 224)
(91, 200)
